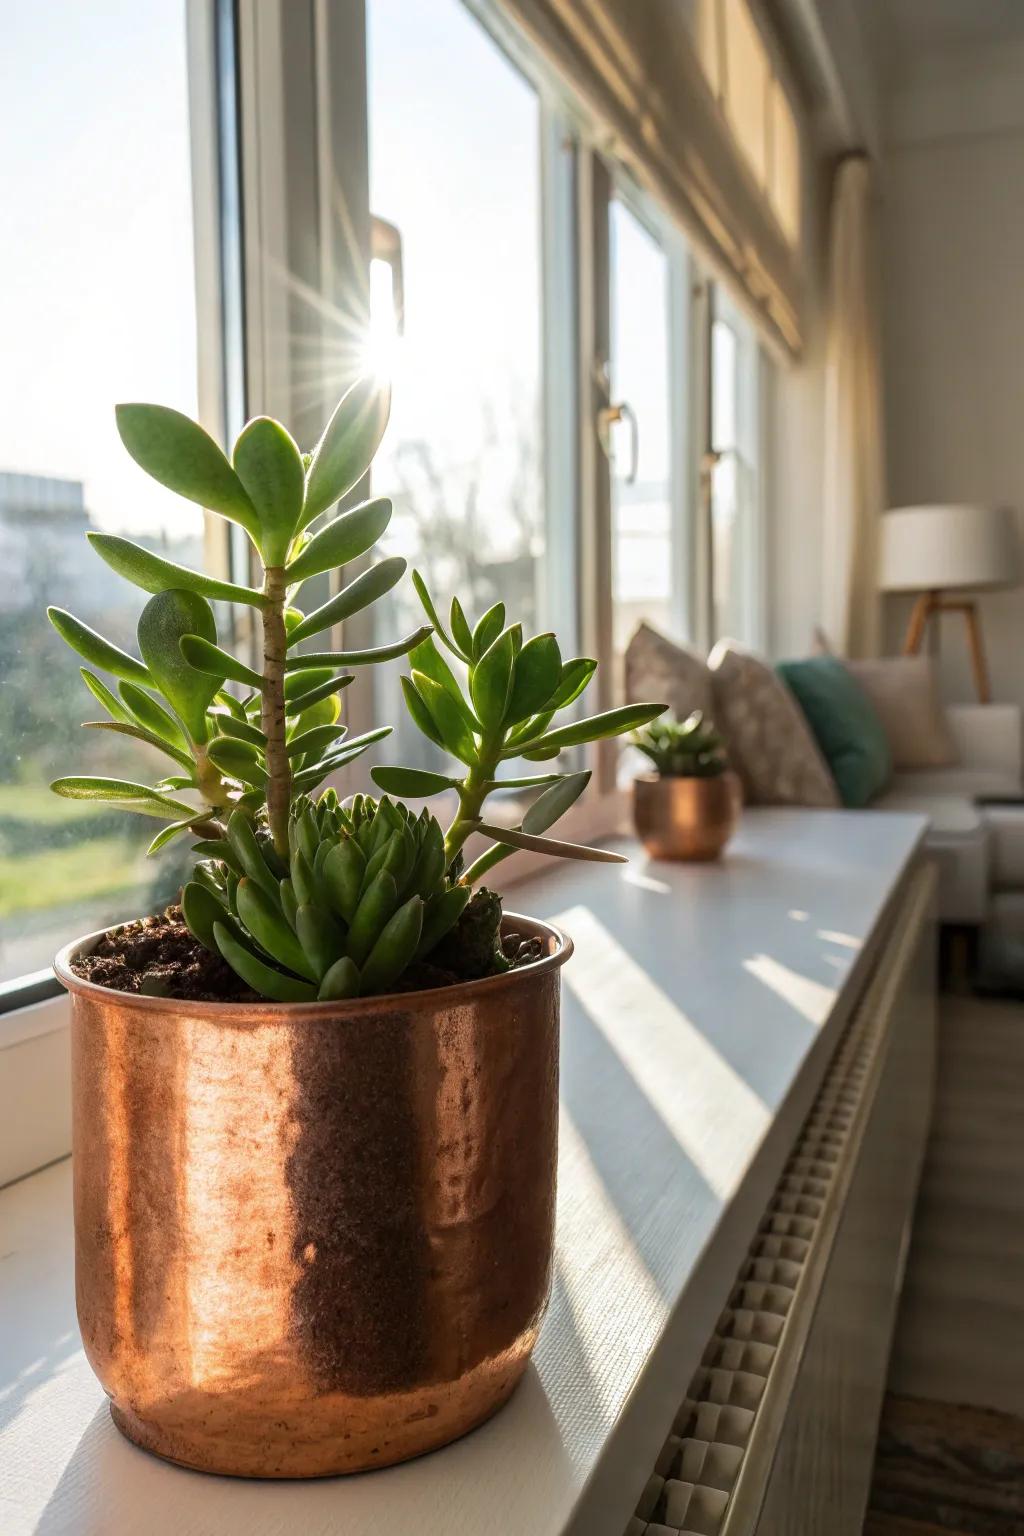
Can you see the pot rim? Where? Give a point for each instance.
(262, 1012)
(685, 778)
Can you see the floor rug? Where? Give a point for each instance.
(947, 1470)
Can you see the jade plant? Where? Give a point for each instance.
(252, 750)
(305, 896)
(688, 749)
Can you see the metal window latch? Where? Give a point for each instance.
(607, 417)
(386, 245)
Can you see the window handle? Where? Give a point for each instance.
(386, 246)
(607, 417)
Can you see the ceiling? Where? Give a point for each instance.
(905, 33)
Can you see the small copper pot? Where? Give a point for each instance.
(686, 818)
(314, 1238)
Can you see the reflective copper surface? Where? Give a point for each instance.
(314, 1238)
(679, 818)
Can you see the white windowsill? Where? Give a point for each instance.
(699, 1014)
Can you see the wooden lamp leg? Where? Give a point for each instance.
(979, 665)
(922, 611)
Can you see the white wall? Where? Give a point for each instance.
(953, 267)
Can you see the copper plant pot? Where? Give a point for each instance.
(314, 1238)
(686, 818)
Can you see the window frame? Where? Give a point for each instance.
(278, 105)
(35, 1123)
(749, 449)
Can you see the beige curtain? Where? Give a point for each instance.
(854, 491)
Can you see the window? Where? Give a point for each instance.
(736, 535)
(455, 179)
(532, 304)
(645, 555)
(97, 304)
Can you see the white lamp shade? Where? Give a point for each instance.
(926, 549)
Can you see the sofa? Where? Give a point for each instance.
(779, 750)
(979, 849)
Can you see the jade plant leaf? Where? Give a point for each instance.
(448, 719)
(490, 681)
(576, 674)
(102, 653)
(417, 782)
(99, 690)
(427, 601)
(488, 630)
(461, 632)
(538, 672)
(426, 658)
(346, 449)
(183, 759)
(516, 838)
(206, 657)
(353, 598)
(613, 722)
(343, 540)
(124, 793)
(366, 658)
(154, 574)
(177, 452)
(152, 716)
(269, 465)
(166, 619)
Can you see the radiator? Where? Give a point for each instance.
(776, 1433)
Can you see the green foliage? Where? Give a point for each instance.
(308, 898)
(365, 891)
(689, 749)
(503, 708)
(281, 736)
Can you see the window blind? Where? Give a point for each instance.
(687, 95)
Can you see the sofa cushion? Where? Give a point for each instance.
(768, 740)
(845, 725)
(905, 695)
(658, 668)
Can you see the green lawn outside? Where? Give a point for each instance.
(58, 877)
(36, 802)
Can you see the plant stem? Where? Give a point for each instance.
(473, 791)
(272, 713)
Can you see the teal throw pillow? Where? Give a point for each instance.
(845, 724)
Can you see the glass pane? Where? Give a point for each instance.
(746, 85)
(96, 305)
(643, 560)
(735, 534)
(455, 165)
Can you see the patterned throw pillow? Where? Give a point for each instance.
(904, 690)
(769, 742)
(657, 668)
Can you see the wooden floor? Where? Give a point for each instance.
(950, 1457)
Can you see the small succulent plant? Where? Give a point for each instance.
(365, 892)
(310, 898)
(691, 749)
(512, 690)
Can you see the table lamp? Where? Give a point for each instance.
(931, 550)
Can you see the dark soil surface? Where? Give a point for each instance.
(158, 957)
